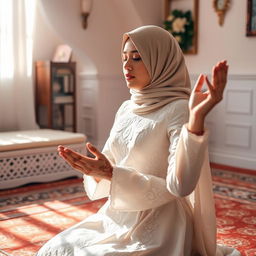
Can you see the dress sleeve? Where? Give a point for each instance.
(134, 191)
(186, 156)
(186, 153)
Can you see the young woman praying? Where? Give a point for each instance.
(154, 167)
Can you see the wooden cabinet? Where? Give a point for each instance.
(56, 95)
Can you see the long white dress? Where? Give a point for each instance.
(148, 211)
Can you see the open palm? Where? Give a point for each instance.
(99, 167)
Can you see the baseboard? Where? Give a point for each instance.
(246, 162)
(232, 168)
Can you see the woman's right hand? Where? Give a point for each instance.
(202, 102)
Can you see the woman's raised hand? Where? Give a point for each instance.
(201, 102)
(98, 167)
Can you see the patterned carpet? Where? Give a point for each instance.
(31, 215)
(235, 201)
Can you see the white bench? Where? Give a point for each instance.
(31, 156)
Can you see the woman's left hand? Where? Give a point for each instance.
(201, 102)
(98, 167)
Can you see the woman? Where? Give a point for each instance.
(154, 167)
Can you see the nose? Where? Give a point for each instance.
(127, 65)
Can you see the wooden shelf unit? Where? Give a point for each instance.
(56, 95)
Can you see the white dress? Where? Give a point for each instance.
(148, 211)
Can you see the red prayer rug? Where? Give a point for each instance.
(31, 215)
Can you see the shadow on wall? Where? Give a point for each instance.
(97, 48)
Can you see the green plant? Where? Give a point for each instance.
(180, 25)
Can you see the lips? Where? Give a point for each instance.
(129, 77)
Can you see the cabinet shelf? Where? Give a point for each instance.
(56, 95)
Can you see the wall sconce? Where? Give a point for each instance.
(221, 7)
(86, 6)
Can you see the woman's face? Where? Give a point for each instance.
(135, 72)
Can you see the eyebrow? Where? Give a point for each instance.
(134, 51)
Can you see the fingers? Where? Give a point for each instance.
(75, 157)
(90, 166)
(79, 168)
(224, 72)
(209, 85)
(219, 81)
(60, 148)
(215, 77)
(219, 74)
(75, 160)
(94, 150)
(69, 155)
(199, 83)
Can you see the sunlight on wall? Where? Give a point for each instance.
(7, 30)
(6, 39)
(30, 18)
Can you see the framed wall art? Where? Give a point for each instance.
(251, 18)
(181, 20)
(62, 54)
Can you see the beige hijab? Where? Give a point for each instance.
(165, 63)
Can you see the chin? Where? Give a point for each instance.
(135, 87)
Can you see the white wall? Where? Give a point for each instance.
(98, 47)
(227, 42)
(45, 40)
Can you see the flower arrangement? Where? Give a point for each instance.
(181, 26)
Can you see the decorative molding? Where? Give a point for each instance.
(233, 168)
(88, 126)
(87, 110)
(242, 77)
(239, 77)
(212, 127)
(238, 138)
(240, 104)
(87, 98)
(238, 160)
(234, 120)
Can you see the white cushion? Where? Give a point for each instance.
(38, 138)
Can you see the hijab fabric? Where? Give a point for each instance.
(166, 66)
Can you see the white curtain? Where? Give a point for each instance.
(17, 111)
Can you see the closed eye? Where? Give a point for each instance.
(137, 58)
(132, 54)
(134, 58)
